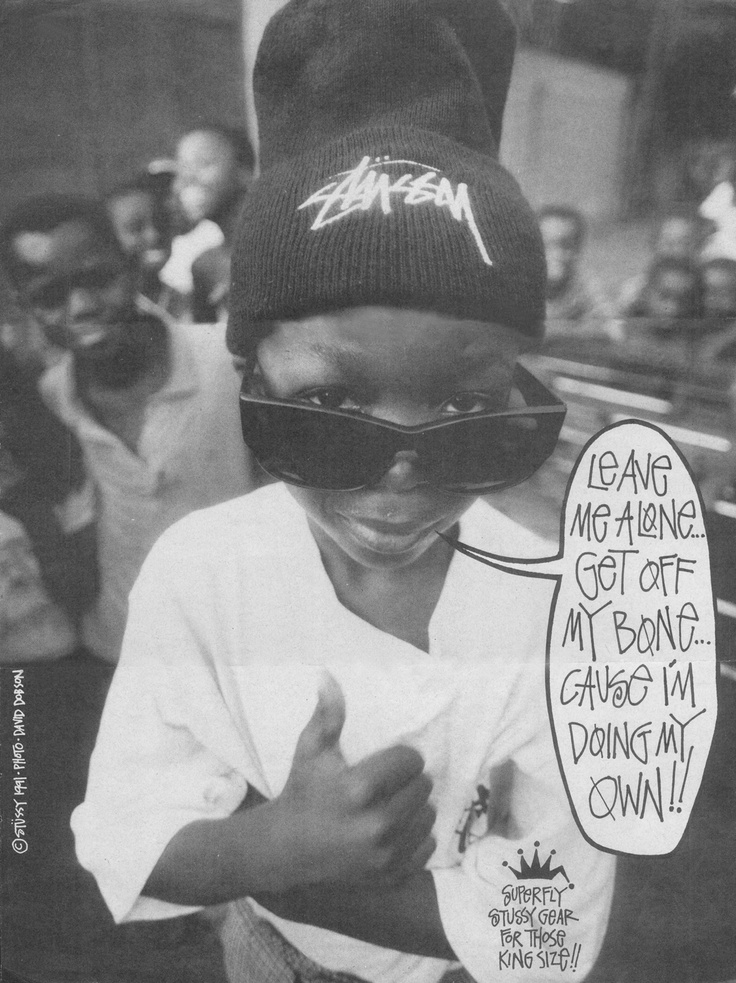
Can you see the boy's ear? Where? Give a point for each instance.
(247, 367)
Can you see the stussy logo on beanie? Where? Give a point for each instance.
(371, 184)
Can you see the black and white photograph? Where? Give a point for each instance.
(368, 491)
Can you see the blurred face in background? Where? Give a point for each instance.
(719, 290)
(142, 228)
(561, 238)
(678, 237)
(208, 175)
(79, 286)
(671, 295)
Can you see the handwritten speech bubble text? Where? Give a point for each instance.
(631, 666)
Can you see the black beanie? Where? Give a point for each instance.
(380, 184)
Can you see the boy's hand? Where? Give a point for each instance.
(367, 822)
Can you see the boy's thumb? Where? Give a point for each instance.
(324, 727)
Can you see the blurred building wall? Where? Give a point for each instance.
(256, 14)
(565, 132)
(92, 92)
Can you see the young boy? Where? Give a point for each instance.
(719, 290)
(214, 169)
(323, 716)
(575, 304)
(143, 223)
(147, 399)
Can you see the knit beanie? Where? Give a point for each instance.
(380, 183)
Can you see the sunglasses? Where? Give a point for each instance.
(53, 294)
(344, 450)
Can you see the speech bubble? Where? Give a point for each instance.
(631, 662)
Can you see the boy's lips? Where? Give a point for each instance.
(387, 536)
(387, 525)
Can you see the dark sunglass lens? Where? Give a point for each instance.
(96, 277)
(55, 293)
(483, 454)
(316, 449)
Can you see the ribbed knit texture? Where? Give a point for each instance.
(431, 220)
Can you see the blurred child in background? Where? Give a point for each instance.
(214, 169)
(141, 217)
(575, 302)
(678, 236)
(719, 305)
(665, 325)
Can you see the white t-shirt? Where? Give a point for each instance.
(190, 454)
(232, 624)
(177, 273)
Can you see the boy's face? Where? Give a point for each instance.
(677, 237)
(669, 294)
(408, 367)
(207, 174)
(719, 298)
(79, 287)
(140, 226)
(561, 248)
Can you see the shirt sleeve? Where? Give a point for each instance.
(533, 928)
(168, 752)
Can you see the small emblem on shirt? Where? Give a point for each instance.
(477, 808)
(492, 805)
(380, 183)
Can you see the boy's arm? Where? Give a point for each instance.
(403, 916)
(331, 823)
(453, 912)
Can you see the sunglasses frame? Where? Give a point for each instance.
(97, 277)
(530, 388)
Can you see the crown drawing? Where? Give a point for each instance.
(537, 870)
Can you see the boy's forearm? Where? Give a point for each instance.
(404, 917)
(206, 864)
(212, 861)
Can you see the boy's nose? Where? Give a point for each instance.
(404, 473)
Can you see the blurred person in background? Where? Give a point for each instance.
(20, 334)
(140, 214)
(664, 328)
(719, 305)
(673, 292)
(678, 235)
(719, 208)
(152, 403)
(214, 169)
(44, 487)
(576, 305)
(719, 288)
(189, 239)
(32, 627)
(47, 556)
